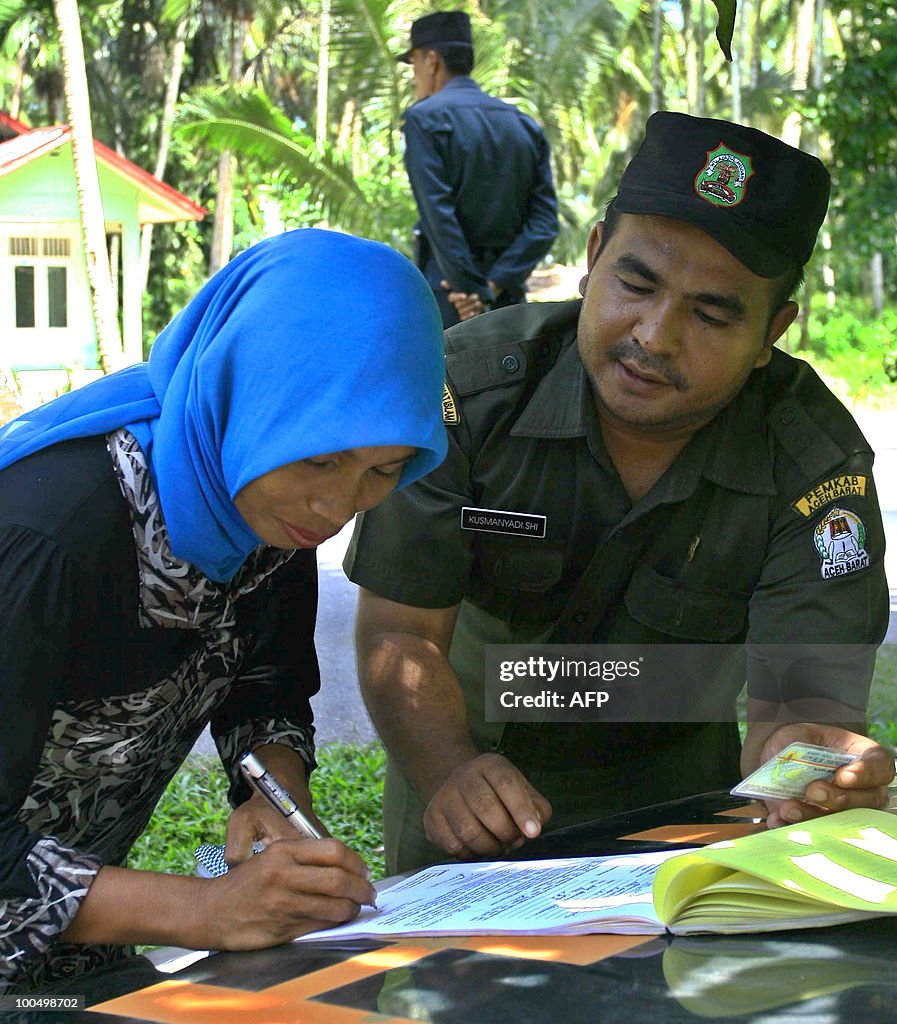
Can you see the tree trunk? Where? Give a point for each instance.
(347, 134)
(801, 54)
(691, 57)
(877, 277)
(15, 101)
(819, 55)
(53, 85)
(321, 101)
(655, 68)
(114, 265)
(828, 273)
(756, 43)
(90, 206)
(701, 48)
(735, 67)
(323, 76)
(171, 97)
(223, 225)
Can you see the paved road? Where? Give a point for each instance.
(339, 711)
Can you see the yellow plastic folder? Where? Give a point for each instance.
(838, 867)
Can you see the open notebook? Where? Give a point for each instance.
(842, 867)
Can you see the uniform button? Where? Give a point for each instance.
(787, 416)
(511, 364)
(580, 616)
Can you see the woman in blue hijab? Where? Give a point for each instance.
(157, 535)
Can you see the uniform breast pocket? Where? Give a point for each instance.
(517, 565)
(668, 606)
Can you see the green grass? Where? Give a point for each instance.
(192, 810)
(882, 714)
(347, 789)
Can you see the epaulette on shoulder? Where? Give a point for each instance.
(807, 419)
(501, 347)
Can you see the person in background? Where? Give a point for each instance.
(157, 570)
(641, 467)
(481, 176)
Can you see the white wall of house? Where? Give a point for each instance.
(43, 288)
(47, 335)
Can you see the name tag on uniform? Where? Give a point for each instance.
(493, 520)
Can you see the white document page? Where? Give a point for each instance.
(568, 896)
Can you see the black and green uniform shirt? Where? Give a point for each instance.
(766, 531)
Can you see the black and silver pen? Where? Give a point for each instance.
(264, 782)
(258, 776)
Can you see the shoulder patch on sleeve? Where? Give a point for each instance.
(450, 415)
(840, 540)
(829, 491)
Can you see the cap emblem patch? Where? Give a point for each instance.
(722, 179)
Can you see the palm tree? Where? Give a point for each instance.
(29, 38)
(349, 174)
(247, 121)
(90, 206)
(166, 122)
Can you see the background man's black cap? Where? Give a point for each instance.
(441, 27)
(759, 197)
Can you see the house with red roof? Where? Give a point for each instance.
(48, 338)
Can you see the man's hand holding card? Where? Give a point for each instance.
(808, 770)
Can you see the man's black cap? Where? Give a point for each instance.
(759, 197)
(441, 27)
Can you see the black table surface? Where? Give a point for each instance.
(818, 975)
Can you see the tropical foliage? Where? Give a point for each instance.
(288, 115)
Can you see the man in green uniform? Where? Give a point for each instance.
(641, 468)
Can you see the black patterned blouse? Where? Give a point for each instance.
(115, 655)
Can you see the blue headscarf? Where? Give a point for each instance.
(308, 343)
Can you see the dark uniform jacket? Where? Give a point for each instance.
(765, 531)
(481, 176)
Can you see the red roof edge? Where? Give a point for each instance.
(13, 124)
(148, 181)
(144, 179)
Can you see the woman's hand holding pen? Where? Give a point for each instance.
(295, 885)
(292, 887)
(256, 820)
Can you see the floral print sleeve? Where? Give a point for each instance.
(30, 925)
